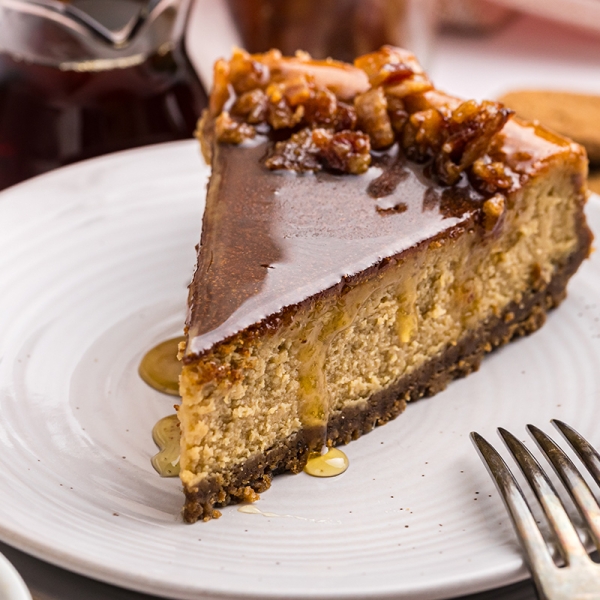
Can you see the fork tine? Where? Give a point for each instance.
(586, 452)
(577, 487)
(536, 551)
(569, 543)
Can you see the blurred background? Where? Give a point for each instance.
(82, 78)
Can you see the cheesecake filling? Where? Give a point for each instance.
(338, 351)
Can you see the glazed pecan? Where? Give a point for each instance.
(229, 131)
(397, 113)
(372, 117)
(280, 115)
(423, 134)
(298, 153)
(467, 136)
(220, 90)
(321, 108)
(246, 73)
(396, 69)
(251, 106)
(297, 90)
(490, 176)
(493, 212)
(345, 151)
(345, 117)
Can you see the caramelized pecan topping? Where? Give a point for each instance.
(220, 90)
(321, 108)
(397, 113)
(423, 134)
(280, 115)
(329, 115)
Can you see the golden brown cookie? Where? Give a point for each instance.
(576, 116)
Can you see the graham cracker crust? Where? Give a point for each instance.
(290, 455)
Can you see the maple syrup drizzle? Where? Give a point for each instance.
(160, 368)
(315, 340)
(333, 462)
(76, 105)
(250, 509)
(166, 436)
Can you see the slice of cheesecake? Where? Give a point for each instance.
(366, 240)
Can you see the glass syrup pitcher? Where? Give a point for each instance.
(82, 78)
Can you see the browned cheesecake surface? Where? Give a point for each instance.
(366, 240)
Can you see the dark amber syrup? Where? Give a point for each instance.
(51, 117)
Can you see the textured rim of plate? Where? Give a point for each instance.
(454, 585)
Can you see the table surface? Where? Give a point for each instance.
(528, 53)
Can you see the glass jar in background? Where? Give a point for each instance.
(341, 29)
(87, 77)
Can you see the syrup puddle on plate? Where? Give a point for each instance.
(166, 436)
(330, 464)
(160, 368)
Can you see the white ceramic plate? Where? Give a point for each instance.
(12, 586)
(94, 263)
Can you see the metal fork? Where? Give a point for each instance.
(579, 578)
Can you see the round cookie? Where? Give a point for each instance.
(576, 116)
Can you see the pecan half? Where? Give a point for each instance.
(345, 151)
(298, 153)
(396, 69)
(372, 117)
(467, 136)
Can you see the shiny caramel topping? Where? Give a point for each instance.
(333, 462)
(166, 436)
(160, 368)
